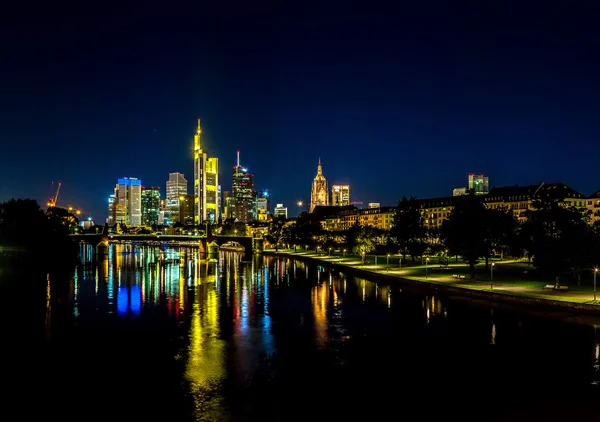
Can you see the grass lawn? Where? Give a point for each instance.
(509, 276)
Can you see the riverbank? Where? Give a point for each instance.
(447, 280)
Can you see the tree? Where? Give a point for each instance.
(22, 223)
(233, 228)
(465, 232)
(365, 241)
(558, 236)
(24, 226)
(501, 232)
(62, 220)
(276, 231)
(307, 229)
(408, 231)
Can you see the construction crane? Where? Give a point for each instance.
(52, 201)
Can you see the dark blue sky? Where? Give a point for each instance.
(403, 103)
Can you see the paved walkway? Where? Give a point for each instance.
(577, 294)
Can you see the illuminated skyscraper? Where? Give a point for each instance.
(127, 202)
(243, 193)
(340, 195)
(206, 182)
(150, 205)
(280, 211)
(176, 188)
(319, 194)
(479, 184)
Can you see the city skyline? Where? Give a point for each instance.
(394, 106)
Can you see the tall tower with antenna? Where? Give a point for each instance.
(206, 183)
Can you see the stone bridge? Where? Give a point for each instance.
(251, 245)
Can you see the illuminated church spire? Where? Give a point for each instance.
(319, 193)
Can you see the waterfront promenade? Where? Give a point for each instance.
(512, 281)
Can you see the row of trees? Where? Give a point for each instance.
(559, 239)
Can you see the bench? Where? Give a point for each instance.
(553, 287)
(459, 276)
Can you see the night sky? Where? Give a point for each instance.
(404, 103)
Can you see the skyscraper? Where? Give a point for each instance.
(319, 193)
(340, 195)
(176, 188)
(127, 202)
(206, 182)
(228, 205)
(186, 210)
(243, 193)
(479, 184)
(280, 211)
(150, 205)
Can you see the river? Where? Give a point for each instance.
(158, 333)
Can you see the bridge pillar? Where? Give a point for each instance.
(102, 249)
(213, 251)
(257, 245)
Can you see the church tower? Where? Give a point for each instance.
(319, 194)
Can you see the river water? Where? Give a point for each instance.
(158, 333)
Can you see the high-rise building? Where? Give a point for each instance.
(243, 193)
(262, 203)
(228, 205)
(479, 184)
(280, 211)
(262, 197)
(127, 202)
(176, 188)
(319, 193)
(206, 182)
(150, 205)
(186, 209)
(111, 210)
(340, 195)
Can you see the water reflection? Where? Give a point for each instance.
(246, 337)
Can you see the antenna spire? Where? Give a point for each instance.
(238, 158)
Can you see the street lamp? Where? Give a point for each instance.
(388, 263)
(363, 255)
(330, 250)
(595, 272)
(235, 232)
(344, 255)
(492, 276)
(400, 262)
(426, 263)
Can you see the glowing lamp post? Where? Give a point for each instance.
(400, 263)
(595, 272)
(235, 232)
(492, 275)
(363, 256)
(344, 254)
(330, 251)
(426, 265)
(388, 263)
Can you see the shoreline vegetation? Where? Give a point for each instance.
(37, 238)
(513, 283)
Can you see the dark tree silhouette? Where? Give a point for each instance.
(276, 231)
(408, 231)
(557, 236)
(465, 232)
